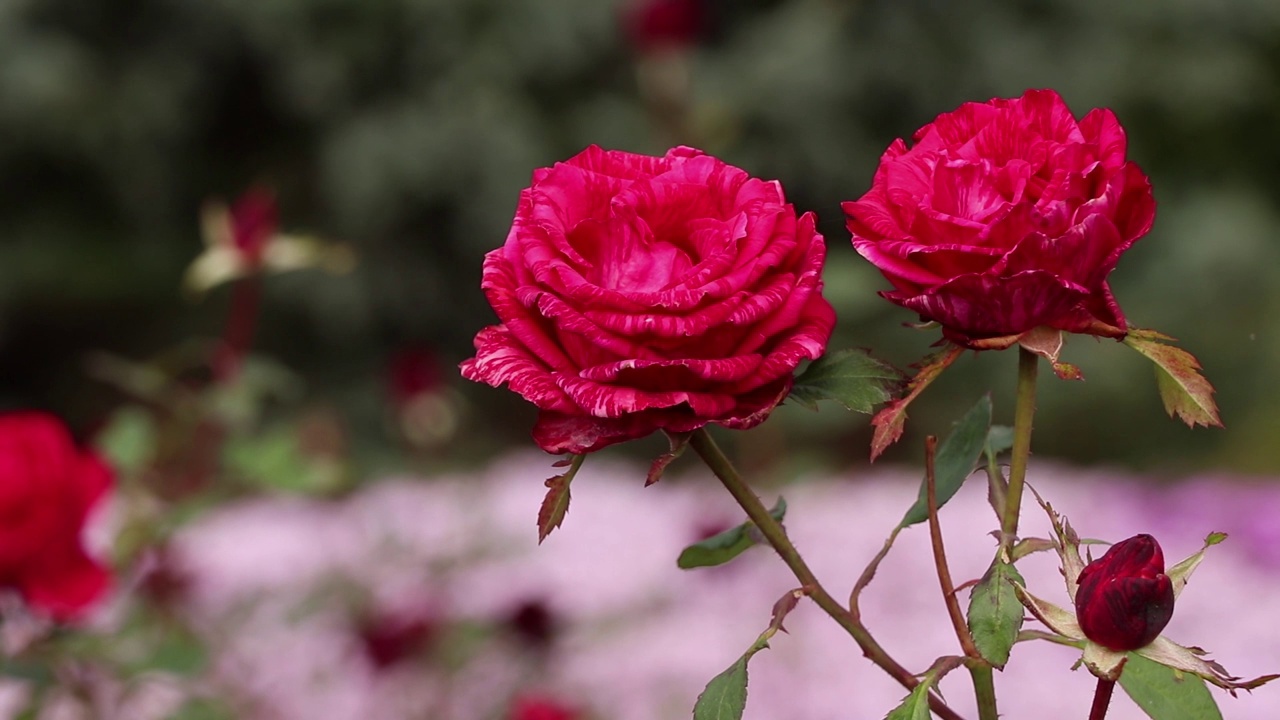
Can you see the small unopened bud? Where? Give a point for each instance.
(1124, 598)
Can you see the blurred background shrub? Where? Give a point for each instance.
(406, 128)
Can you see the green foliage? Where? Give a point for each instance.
(1166, 694)
(853, 378)
(995, 614)
(273, 460)
(725, 697)
(956, 458)
(128, 440)
(723, 547)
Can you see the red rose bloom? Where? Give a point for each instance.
(1124, 598)
(640, 293)
(1006, 216)
(532, 707)
(47, 488)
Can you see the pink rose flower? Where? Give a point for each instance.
(47, 488)
(640, 293)
(1006, 216)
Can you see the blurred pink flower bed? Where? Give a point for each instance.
(272, 583)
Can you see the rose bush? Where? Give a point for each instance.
(639, 293)
(1125, 599)
(47, 489)
(1005, 216)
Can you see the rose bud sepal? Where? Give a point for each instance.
(1105, 662)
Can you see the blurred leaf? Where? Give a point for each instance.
(129, 440)
(851, 377)
(723, 547)
(999, 439)
(1183, 390)
(556, 504)
(957, 456)
(725, 697)
(891, 419)
(995, 614)
(274, 460)
(203, 709)
(178, 652)
(1166, 694)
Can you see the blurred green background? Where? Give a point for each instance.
(406, 128)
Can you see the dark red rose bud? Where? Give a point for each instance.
(1125, 599)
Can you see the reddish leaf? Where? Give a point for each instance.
(784, 606)
(679, 441)
(1184, 391)
(890, 420)
(556, 504)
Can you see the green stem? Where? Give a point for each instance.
(1101, 699)
(772, 530)
(984, 688)
(1024, 410)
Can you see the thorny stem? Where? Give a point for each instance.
(706, 447)
(979, 670)
(1024, 410)
(1101, 699)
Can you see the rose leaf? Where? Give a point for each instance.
(1166, 694)
(851, 377)
(1184, 391)
(723, 547)
(556, 504)
(957, 456)
(890, 420)
(995, 614)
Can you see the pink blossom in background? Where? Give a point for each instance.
(638, 639)
(640, 293)
(1004, 216)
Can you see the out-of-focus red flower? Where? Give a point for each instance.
(640, 293)
(1125, 599)
(1006, 216)
(389, 638)
(47, 489)
(657, 24)
(536, 707)
(411, 373)
(534, 624)
(254, 218)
